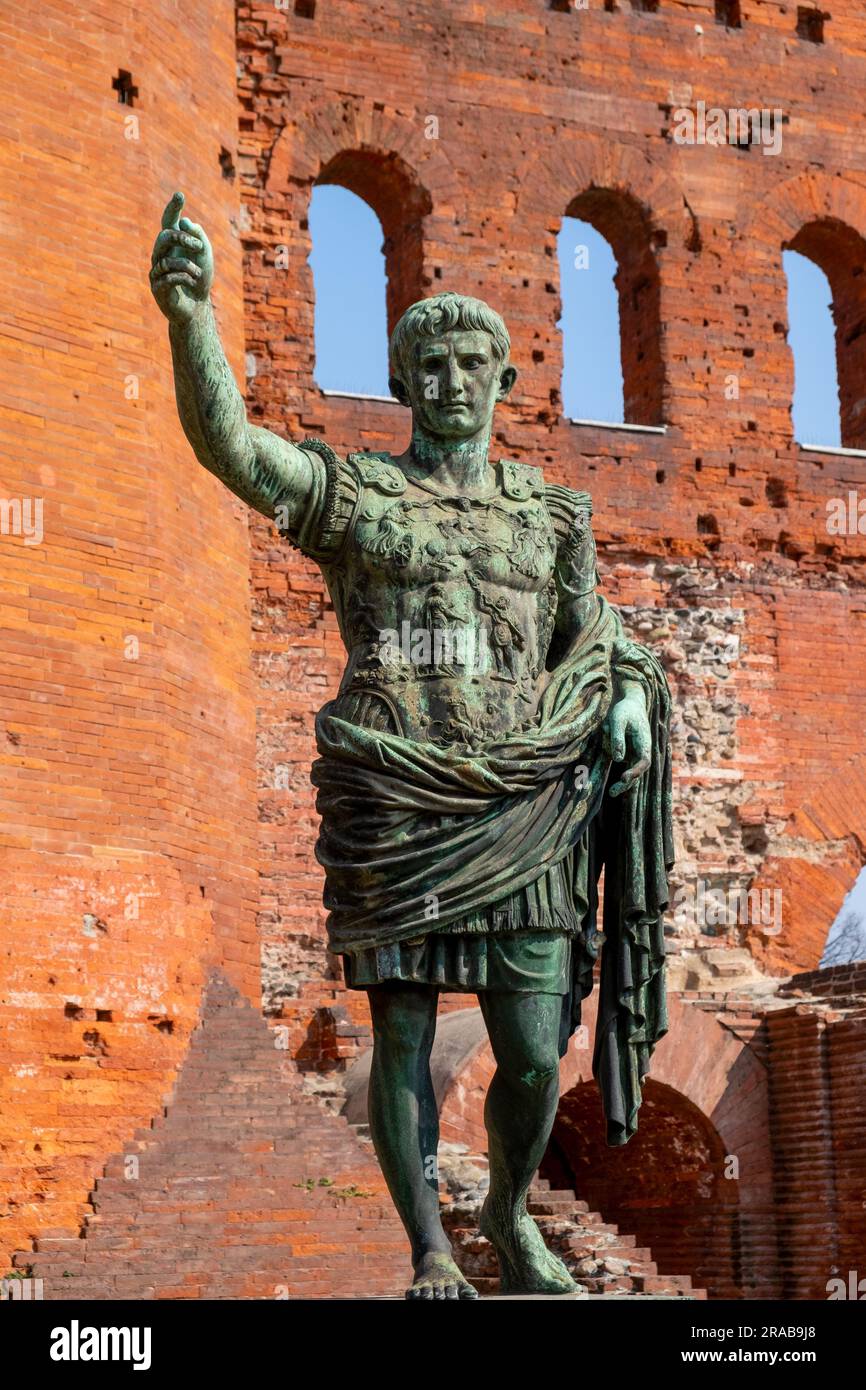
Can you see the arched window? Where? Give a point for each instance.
(811, 336)
(348, 265)
(591, 368)
(825, 264)
(367, 227)
(609, 284)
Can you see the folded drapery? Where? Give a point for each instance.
(414, 837)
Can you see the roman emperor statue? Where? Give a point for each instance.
(496, 742)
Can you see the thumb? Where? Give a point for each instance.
(173, 208)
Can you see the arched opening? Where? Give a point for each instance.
(825, 265)
(811, 337)
(846, 939)
(591, 359)
(348, 265)
(668, 1186)
(611, 325)
(367, 226)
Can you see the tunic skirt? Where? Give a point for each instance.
(523, 942)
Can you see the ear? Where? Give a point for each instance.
(506, 382)
(398, 391)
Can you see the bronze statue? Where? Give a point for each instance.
(495, 742)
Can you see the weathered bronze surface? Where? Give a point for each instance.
(496, 741)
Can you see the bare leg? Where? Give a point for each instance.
(519, 1114)
(404, 1123)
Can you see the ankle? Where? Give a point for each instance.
(430, 1249)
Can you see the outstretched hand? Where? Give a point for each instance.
(181, 271)
(627, 736)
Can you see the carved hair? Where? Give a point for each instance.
(441, 314)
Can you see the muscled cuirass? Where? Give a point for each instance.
(446, 604)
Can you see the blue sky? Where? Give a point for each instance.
(351, 330)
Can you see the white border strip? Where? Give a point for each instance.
(359, 396)
(611, 425)
(832, 449)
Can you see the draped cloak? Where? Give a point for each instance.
(415, 836)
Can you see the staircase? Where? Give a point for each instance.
(601, 1259)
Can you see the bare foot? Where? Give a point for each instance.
(437, 1276)
(525, 1263)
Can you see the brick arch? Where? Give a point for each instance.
(824, 218)
(829, 834)
(388, 161)
(698, 1059)
(668, 1186)
(553, 177)
(639, 209)
(702, 1073)
(402, 205)
(813, 196)
(622, 220)
(309, 141)
(385, 159)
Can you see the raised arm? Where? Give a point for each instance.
(260, 467)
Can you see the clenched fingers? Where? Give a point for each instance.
(174, 238)
(175, 264)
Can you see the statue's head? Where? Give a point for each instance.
(449, 364)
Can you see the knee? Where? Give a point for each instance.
(534, 1071)
(540, 1078)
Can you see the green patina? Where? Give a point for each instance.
(495, 743)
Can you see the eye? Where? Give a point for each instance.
(470, 363)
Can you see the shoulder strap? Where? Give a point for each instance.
(375, 470)
(521, 480)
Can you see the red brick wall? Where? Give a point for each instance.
(536, 108)
(127, 803)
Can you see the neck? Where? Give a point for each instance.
(459, 463)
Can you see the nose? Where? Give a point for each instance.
(452, 383)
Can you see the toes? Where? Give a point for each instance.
(441, 1290)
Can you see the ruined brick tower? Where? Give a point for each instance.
(156, 875)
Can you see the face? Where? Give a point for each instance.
(454, 384)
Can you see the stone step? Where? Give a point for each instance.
(246, 1184)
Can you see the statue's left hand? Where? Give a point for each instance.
(628, 739)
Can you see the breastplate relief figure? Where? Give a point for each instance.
(496, 742)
